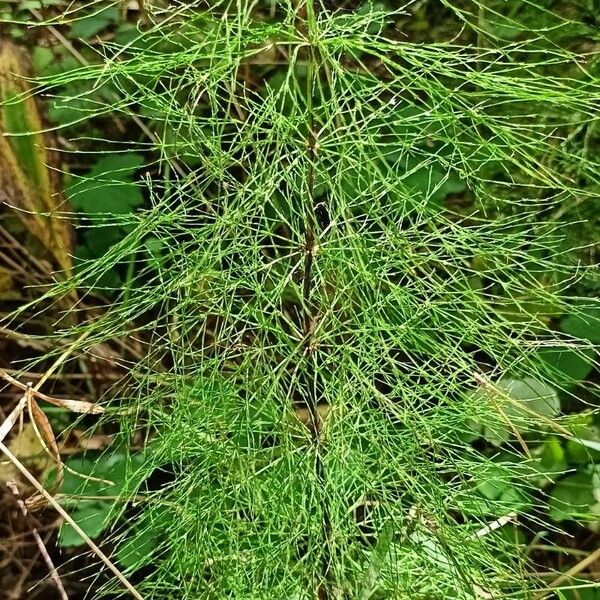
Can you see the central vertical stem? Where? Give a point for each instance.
(309, 308)
(310, 220)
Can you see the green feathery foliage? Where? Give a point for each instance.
(347, 274)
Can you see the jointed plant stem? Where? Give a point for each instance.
(310, 308)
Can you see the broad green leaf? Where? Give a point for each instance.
(99, 239)
(430, 179)
(572, 497)
(379, 556)
(91, 516)
(584, 323)
(90, 25)
(137, 549)
(113, 467)
(41, 58)
(571, 364)
(493, 482)
(470, 503)
(589, 591)
(534, 396)
(584, 446)
(553, 455)
(532, 308)
(431, 550)
(109, 187)
(121, 166)
(140, 543)
(592, 444)
(472, 430)
(513, 499)
(109, 280)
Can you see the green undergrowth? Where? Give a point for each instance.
(358, 261)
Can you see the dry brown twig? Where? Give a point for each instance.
(12, 486)
(15, 413)
(61, 511)
(28, 399)
(570, 574)
(36, 414)
(77, 406)
(38, 418)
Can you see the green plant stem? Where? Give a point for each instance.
(310, 309)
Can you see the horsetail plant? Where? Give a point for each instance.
(347, 276)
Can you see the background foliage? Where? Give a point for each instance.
(348, 251)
